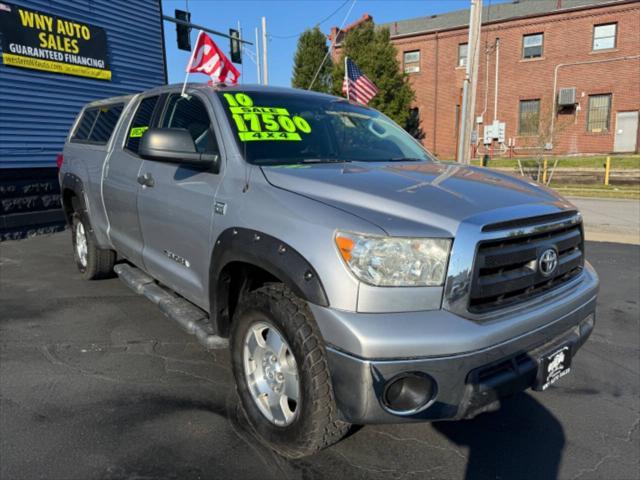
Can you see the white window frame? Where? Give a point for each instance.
(411, 65)
(525, 46)
(601, 37)
(462, 61)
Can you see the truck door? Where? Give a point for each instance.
(120, 184)
(177, 211)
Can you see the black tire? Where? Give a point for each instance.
(316, 424)
(99, 262)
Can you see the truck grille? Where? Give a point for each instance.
(507, 271)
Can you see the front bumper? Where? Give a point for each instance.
(467, 383)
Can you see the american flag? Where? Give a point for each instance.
(356, 85)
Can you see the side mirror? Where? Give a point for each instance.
(175, 145)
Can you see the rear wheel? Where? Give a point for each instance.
(92, 262)
(281, 373)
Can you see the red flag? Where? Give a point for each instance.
(207, 58)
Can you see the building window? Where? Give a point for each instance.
(412, 62)
(599, 113)
(529, 117)
(604, 36)
(532, 45)
(463, 50)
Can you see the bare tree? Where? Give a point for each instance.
(542, 141)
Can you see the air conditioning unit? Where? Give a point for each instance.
(567, 96)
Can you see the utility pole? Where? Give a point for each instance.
(265, 67)
(258, 57)
(470, 83)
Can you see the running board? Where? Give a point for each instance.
(192, 319)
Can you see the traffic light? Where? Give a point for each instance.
(182, 31)
(236, 50)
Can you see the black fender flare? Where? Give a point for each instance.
(268, 253)
(72, 182)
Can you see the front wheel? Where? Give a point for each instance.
(281, 373)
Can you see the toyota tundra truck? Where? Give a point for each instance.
(354, 278)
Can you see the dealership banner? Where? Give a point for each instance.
(39, 41)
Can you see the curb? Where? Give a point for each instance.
(612, 237)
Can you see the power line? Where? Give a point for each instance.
(284, 37)
(344, 20)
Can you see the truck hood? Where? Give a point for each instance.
(418, 198)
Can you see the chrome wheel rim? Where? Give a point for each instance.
(271, 373)
(81, 244)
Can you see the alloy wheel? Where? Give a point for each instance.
(271, 373)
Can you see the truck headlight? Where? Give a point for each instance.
(395, 261)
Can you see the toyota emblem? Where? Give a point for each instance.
(548, 262)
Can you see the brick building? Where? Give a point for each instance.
(560, 75)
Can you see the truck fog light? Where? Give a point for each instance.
(408, 393)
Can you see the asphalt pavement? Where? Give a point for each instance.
(95, 383)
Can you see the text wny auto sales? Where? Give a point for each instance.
(36, 40)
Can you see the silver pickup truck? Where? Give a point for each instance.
(354, 278)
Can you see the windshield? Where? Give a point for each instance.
(278, 129)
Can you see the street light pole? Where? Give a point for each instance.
(470, 83)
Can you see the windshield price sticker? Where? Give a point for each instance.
(260, 110)
(264, 123)
(249, 136)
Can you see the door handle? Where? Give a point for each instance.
(146, 180)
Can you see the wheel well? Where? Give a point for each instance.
(235, 280)
(70, 203)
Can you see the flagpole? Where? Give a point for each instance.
(346, 76)
(184, 85)
(186, 77)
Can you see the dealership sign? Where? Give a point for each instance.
(39, 41)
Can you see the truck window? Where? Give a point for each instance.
(141, 122)
(97, 124)
(85, 125)
(191, 114)
(105, 124)
(274, 128)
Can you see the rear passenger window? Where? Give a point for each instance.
(85, 125)
(97, 124)
(105, 124)
(141, 123)
(189, 113)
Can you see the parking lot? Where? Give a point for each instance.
(95, 383)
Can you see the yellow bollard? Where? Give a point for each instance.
(544, 172)
(607, 170)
